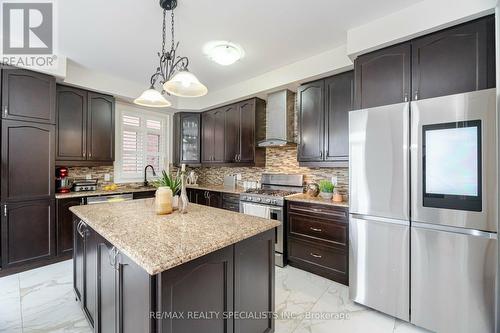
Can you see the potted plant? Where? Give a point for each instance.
(326, 188)
(171, 181)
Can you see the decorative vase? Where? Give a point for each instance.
(183, 200)
(326, 195)
(337, 197)
(163, 200)
(175, 202)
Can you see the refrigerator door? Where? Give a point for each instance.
(379, 264)
(460, 169)
(453, 279)
(379, 162)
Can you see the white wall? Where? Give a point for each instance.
(417, 20)
(497, 11)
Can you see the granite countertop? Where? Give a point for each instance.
(302, 197)
(217, 188)
(100, 192)
(160, 242)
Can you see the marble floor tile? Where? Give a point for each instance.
(10, 305)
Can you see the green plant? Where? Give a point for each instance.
(174, 182)
(326, 186)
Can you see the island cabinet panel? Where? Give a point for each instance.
(27, 232)
(455, 60)
(318, 239)
(202, 285)
(84, 268)
(64, 225)
(383, 76)
(253, 270)
(28, 96)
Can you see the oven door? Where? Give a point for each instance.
(454, 159)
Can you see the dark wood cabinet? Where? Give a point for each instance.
(231, 202)
(212, 136)
(324, 107)
(455, 60)
(84, 268)
(187, 138)
(85, 128)
(101, 128)
(383, 77)
(311, 103)
(28, 96)
(71, 125)
(27, 161)
(318, 239)
(144, 195)
(28, 232)
(204, 197)
(232, 129)
(64, 225)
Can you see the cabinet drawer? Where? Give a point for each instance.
(331, 259)
(338, 214)
(317, 228)
(231, 206)
(229, 197)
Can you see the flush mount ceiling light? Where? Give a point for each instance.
(222, 52)
(172, 73)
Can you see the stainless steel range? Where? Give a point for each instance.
(269, 202)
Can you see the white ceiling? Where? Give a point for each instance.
(121, 37)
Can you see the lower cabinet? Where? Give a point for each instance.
(64, 225)
(206, 198)
(144, 195)
(27, 232)
(231, 202)
(318, 237)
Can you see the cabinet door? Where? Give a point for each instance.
(64, 225)
(311, 121)
(219, 136)
(27, 161)
(189, 139)
(247, 131)
(28, 232)
(90, 282)
(383, 77)
(207, 136)
(455, 60)
(78, 250)
(107, 288)
(28, 96)
(201, 197)
(232, 133)
(101, 128)
(71, 126)
(339, 91)
(214, 199)
(202, 285)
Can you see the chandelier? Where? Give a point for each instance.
(172, 74)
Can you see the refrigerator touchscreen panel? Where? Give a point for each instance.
(452, 165)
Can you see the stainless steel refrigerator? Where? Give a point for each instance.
(423, 213)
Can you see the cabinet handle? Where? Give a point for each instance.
(236, 157)
(5, 210)
(5, 111)
(82, 201)
(83, 154)
(405, 97)
(416, 95)
(90, 154)
(316, 255)
(321, 154)
(315, 229)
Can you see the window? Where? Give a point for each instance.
(141, 140)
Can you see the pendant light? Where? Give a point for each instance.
(172, 72)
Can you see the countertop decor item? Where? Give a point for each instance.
(326, 188)
(172, 72)
(183, 200)
(312, 189)
(337, 197)
(174, 182)
(163, 200)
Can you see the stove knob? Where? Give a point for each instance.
(257, 199)
(249, 198)
(268, 200)
(274, 202)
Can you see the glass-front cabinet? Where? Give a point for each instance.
(187, 148)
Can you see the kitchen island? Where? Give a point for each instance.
(209, 270)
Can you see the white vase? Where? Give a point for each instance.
(326, 195)
(175, 202)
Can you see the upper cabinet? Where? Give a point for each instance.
(451, 61)
(85, 127)
(454, 60)
(383, 77)
(323, 120)
(229, 134)
(187, 142)
(28, 96)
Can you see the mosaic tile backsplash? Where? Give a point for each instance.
(278, 160)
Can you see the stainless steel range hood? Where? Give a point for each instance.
(280, 120)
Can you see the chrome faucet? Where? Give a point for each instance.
(145, 169)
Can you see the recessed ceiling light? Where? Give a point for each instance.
(222, 52)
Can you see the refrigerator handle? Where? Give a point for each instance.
(380, 219)
(455, 230)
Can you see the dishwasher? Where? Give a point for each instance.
(109, 198)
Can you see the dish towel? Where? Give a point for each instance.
(256, 210)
